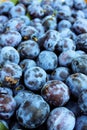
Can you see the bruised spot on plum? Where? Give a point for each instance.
(36, 70)
(8, 70)
(31, 82)
(58, 126)
(18, 10)
(63, 74)
(38, 75)
(26, 104)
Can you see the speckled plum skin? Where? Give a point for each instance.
(55, 92)
(61, 118)
(77, 83)
(81, 123)
(79, 65)
(33, 112)
(7, 106)
(35, 78)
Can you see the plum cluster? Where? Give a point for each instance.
(43, 65)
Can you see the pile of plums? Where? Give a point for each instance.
(43, 65)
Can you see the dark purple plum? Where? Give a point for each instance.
(81, 42)
(55, 92)
(28, 49)
(7, 106)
